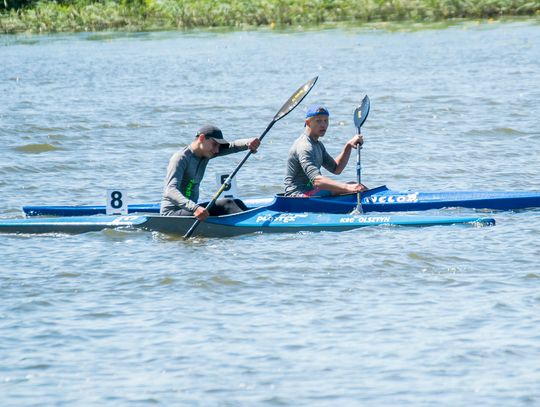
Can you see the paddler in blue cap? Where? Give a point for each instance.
(186, 170)
(308, 154)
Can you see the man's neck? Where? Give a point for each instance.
(312, 136)
(196, 148)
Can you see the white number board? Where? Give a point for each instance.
(232, 191)
(117, 203)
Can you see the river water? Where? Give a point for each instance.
(380, 316)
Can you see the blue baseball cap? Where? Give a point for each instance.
(316, 110)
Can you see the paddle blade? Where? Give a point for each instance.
(295, 99)
(361, 113)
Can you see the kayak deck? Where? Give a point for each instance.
(69, 225)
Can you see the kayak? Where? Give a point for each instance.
(380, 199)
(266, 219)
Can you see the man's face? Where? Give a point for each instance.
(317, 125)
(210, 147)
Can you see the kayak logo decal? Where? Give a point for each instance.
(122, 219)
(365, 219)
(281, 218)
(393, 198)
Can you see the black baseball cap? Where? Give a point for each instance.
(211, 131)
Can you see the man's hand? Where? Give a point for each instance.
(254, 144)
(356, 141)
(355, 188)
(201, 213)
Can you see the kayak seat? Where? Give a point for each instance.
(227, 206)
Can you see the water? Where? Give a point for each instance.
(381, 316)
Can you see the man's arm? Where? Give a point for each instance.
(240, 145)
(175, 172)
(337, 187)
(343, 158)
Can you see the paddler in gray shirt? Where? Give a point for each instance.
(186, 171)
(308, 154)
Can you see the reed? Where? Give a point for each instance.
(144, 15)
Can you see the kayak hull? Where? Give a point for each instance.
(379, 199)
(286, 222)
(263, 220)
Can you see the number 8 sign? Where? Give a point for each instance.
(117, 202)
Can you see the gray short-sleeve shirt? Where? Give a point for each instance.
(306, 157)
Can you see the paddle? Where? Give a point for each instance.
(289, 105)
(360, 116)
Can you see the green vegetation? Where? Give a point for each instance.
(143, 15)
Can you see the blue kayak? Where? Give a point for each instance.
(268, 219)
(379, 199)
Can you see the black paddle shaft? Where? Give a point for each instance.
(288, 107)
(360, 116)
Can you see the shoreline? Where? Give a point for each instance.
(163, 15)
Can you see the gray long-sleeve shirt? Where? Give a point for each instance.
(184, 175)
(306, 157)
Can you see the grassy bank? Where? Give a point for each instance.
(143, 15)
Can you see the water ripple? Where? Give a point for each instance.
(360, 317)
